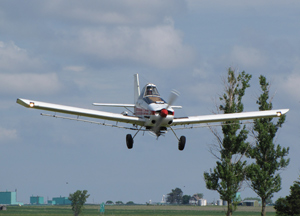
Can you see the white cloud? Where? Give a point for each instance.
(247, 56)
(133, 31)
(162, 46)
(21, 73)
(203, 71)
(159, 46)
(235, 5)
(203, 91)
(6, 134)
(16, 59)
(29, 83)
(74, 68)
(126, 12)
(291, 84)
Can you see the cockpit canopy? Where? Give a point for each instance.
(151, 91)
(150, 94)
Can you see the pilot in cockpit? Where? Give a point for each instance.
(149, 91)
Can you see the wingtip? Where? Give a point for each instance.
(23, 102)
(281, 112)
(284, 111)
(19, 101)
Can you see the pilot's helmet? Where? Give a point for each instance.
(149, 91)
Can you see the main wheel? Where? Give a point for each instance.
(129, 141)
(181, 143)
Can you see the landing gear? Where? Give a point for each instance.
(129, 141)
(181, 143)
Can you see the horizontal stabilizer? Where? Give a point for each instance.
(176, 107)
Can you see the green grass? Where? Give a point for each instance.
(133, 210)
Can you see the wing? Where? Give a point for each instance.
(228, 117)
(80, 111)
(114, 105)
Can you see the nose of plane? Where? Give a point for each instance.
(164, 113)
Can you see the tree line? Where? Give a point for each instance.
(176, 197)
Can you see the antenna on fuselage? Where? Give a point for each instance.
(137, 91)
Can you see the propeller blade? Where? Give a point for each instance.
(157, 125)
(174, 95)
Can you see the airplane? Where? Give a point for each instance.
(151, 113)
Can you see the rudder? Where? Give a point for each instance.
(137, 91)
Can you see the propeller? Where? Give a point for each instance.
(164, 112)
(174, 95)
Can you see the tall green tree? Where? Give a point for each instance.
(226, 178)
(175, 196)
(78, 199)
(269, 158)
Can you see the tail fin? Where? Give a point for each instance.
(137, 91)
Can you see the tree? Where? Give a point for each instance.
(200, 195)
(119, 203)
(289, 206)
(269, 158)
(130, 203)
(78, 199)
(175, 196)
(109, 202)
(186, 199)
(226, 178)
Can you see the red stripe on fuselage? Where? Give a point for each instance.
(142, 112)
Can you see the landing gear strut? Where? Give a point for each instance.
(181, 143)
(129, 141)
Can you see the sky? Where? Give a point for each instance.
(80, 52)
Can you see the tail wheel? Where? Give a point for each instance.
(129, 141)
(181, 143)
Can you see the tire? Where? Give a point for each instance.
(181, 143)
(129, 141)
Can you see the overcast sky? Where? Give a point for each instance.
(79, 52)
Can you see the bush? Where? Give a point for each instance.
(119, 203)
(290, 204)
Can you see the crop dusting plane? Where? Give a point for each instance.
(150, 113)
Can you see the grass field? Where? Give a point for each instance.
(133, 210)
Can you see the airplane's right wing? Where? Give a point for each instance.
(228, 117)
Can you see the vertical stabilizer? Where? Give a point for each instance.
(137, 91)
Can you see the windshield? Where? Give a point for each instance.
(151, 91)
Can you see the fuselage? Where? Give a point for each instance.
(153, 108)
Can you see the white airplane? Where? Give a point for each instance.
(151, 113)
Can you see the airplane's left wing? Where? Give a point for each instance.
(114, 105)
(228, 117)
(80, 111)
